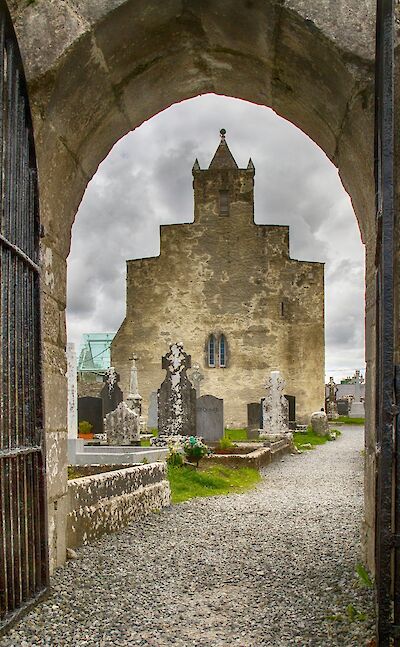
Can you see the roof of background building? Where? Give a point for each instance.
(94, 354)
(223, 157)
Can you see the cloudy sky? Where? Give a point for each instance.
(146, 181)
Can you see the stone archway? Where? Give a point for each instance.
(98, 70)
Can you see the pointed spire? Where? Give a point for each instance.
(250, 165)
(223, 157)
(196, 165)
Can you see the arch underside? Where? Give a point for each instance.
(98, 70)
(141, 57)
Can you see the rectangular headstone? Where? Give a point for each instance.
(357, 410)
(91, 410)
(152, 417)
(210, 418)
(254, 419)
(292, 410)
(343, 407)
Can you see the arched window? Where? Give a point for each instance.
(211, 351)
(222, 352)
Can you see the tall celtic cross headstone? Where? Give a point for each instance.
(196, 378)
(134, 399)
(357, 390)
(332, 406)
(111, 394)
(357, 407)
(176, 395)
(275, 406)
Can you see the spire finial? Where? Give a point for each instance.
(222, 132)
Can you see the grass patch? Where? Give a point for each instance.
(350, 421)
(187, 483)
(145, 442)
(308, 438)
(238, 435)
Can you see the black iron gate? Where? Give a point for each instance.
(23, 524)
(388, 446)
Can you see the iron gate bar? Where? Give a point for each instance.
(386, 525)
(19, 253)
(23, 522)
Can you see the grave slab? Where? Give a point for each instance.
(210, 418)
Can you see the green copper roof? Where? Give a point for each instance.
(95, 354)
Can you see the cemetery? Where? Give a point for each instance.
(111, 485)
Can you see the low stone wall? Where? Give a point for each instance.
(80, 453)
(104, 503)
(257, 458)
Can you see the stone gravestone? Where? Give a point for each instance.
(254, 417)
(176, 396)
(122, 426)
(111, 394)
(152, 416)
(210, 418)
(319, 423)
(332, 409)
(275, 408)
(196, 378)
(292, 410)
(357, 407)
(91, 410)
(343, 407)
(134, 399)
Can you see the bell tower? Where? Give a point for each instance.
(220, 189)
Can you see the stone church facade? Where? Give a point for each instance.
(228, 289)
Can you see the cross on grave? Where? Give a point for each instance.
(176, 396)
(111, 394)
(332, 390)
(357, 407)
(331, 405)
(134, 398)
(357, 390)
(275, 407)
(196, 377)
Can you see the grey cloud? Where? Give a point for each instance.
(146, 180)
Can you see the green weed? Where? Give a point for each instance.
(364, 577)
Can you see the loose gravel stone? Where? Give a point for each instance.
(272, 567)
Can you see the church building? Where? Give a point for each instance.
(228, 290)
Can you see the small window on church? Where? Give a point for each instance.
(224, 203)
(222, 352)
(211, 351)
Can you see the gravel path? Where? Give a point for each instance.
(271, 567)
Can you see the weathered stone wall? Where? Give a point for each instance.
(227, 275)
(98, 69)
(105, 503)
(91, 389)
(256, 458)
